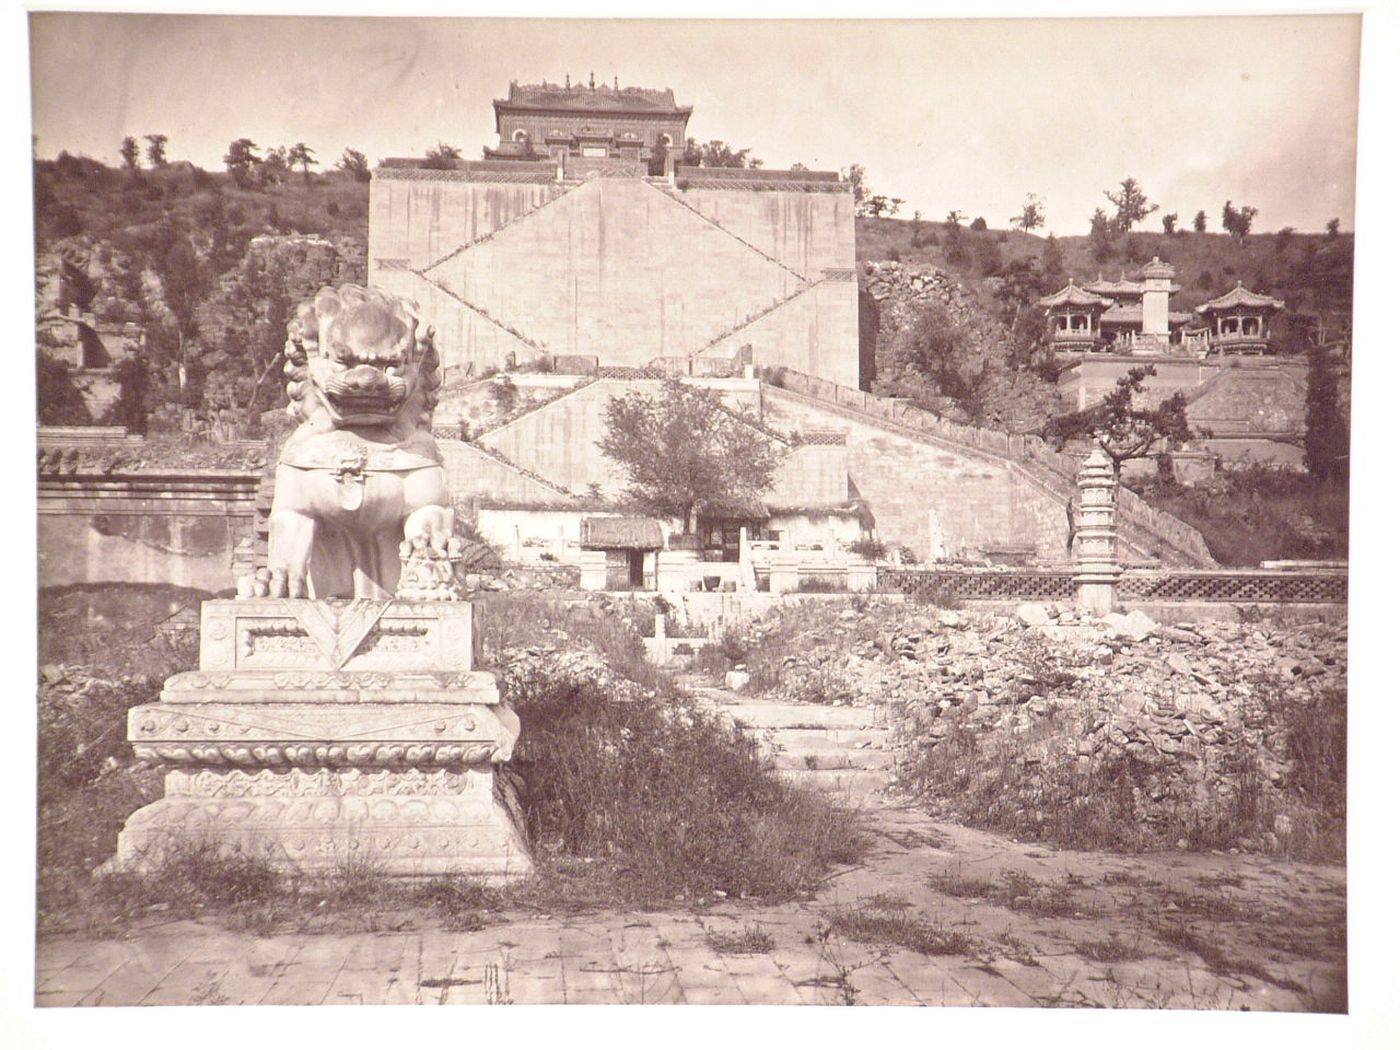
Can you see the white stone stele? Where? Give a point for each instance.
(333, 736)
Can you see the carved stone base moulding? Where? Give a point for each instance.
(316, 732)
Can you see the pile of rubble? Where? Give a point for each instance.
(1196, 718)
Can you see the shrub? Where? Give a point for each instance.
(870, 549)
(675, 801)
(820, 585)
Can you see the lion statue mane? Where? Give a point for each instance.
(363, 380)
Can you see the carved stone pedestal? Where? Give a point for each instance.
(327, 733)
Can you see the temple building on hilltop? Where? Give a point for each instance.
(1134, 317)
(632, 124)
(582, 242)
(1238, 321)
(1250, 401)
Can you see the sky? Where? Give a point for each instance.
(947, 114)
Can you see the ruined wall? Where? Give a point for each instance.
(627, 269)
(144, 529)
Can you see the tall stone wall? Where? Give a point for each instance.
(626, 269)
(939, 502)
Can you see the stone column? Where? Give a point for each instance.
(862, 576)
(676, 569)
(593, 570)
(783, 576)
(1098, 573)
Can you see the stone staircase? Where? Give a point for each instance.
(844, 751)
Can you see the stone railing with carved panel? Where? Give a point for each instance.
(1236, 587)
(1240, 587)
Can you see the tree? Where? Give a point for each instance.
(1052, 264)
(916, 228)
(1327, 437)
(132, 408)
(60, 400)
(155, 150)
(979, 224)
(1334, 227)
(855, 175)
(1100, 236)
(954, 218)
(182, 282)
(1237, 221)
(443, 157)
(717, 154)
(1199, 223)
(1169, 224)
(1283, 239)
(1132, 204)
(241, 160)
(1032, 215)
(881, 205)
(354, 164)
(275, 167)
(304, 155)
(685, 450)
(1123, 430)
(131, 154)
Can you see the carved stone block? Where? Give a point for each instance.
(354, 634)
(321, 733)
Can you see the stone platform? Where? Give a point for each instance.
(333, 733)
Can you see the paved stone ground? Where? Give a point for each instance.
(1282, 923)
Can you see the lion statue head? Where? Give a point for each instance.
(355, 357)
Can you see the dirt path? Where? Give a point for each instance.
(936, 915)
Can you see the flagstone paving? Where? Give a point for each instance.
(1274, 933)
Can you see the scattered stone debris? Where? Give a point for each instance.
(1199, 711)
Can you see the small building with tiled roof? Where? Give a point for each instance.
(1137, 319)
(640, 126)
(1238, 321)
(1074, 314)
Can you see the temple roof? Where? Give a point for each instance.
(1239, 296)
(1071, 295)
(620, 533)
(1122, 313)
(1119, 287)
(603, 99)
(1131, 313)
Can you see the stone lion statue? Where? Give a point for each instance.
(363, 380)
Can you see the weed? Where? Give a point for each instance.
(1182, 935)
(674, 799)
(894, 927)
(1112, 950)
(209, 992)
(1016, 891)
(752, 940)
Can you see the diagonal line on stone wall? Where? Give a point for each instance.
(506, 461)
(558, 195)
(726, 231)
(746, 322)
(481, 311)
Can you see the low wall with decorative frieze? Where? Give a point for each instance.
(145, 528)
